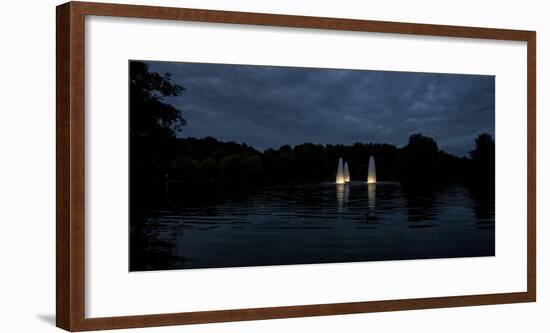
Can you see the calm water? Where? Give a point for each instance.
(311, 223)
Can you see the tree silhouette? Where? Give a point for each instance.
(153, 127)
(483, 158)
(149, 114)
(420, 160)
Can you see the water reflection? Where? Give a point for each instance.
(484, 206)
(422, 204)
(342, 196)
(371, 195)
(248, 225)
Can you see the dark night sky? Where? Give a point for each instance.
(267, 107)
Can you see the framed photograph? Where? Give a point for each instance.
(222, 166)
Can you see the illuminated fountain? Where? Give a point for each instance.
(346, 173)
(340, 178)
(371, 178)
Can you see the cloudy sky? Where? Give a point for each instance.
(267, 107)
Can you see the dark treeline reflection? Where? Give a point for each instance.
(187, 192)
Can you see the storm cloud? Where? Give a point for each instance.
(267, 107)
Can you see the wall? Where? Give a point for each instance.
(27, 164)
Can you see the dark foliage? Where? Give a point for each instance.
(153, 124)
(208, 159)
(483, 158)
(150, 115)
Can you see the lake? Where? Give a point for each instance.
(303, 223)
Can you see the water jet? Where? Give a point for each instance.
(340, 179)
(346, 173)
(371, 178)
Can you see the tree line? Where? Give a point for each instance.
(208, 159)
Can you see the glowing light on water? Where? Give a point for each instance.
(371, 195)
(346, 173)
(340, 179)
(371, 178)
(342, 196)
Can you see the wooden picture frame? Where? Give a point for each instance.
(70, 193)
